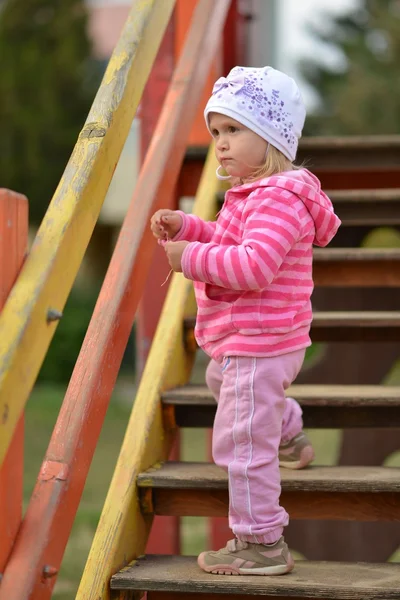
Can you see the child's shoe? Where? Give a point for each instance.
(297, 453)
(245, 558)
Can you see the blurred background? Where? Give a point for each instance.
(345, 56)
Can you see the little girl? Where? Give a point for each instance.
(252, 273)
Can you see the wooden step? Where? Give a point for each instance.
(174, 577)
(323, 406)
(350, 152)
(338, 326)
(363, 208)
(375, 208)
(340, 493)
(348, 162)
(347, 153)
(356, 267)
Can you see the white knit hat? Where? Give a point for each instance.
(266, 101)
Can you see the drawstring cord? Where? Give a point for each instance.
(162, 243)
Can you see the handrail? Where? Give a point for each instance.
(58, 490)
(123, 530)
(46, 279)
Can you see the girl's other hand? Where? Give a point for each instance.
(165, 224)
(174, 251)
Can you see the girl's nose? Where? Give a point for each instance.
(222, 143)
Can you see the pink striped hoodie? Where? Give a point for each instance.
(252, 268)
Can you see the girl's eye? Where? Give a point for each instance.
(214, 132)
(232, 129)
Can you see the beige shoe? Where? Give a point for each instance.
(244, 558)
(297, 453)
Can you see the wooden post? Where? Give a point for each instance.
(13, 246)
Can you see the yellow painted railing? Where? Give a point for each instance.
(26, 325)
(123, 531)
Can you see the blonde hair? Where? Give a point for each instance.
(275, 162)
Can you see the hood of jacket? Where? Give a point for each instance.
(307, 187)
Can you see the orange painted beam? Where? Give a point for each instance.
(38, 551)
(184, 9)
(13, 247)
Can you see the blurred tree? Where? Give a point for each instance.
(47, 84)
(364, 96)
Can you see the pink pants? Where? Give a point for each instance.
(253, 417)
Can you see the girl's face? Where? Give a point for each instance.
(238, 149)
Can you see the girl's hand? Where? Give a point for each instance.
(174, 251)
(165, 224)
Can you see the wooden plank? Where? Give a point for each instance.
(356, 326)
(49, 272)
(336, 493)
(307, 395)
(323, 406)
(195, 475)
(375, 208)
(363, 208)
(310, 579)
(340, 163)
(347, 153)
(360, 167)
(13, 248)
(340, 326)
(333, 506)
(209, 596)
(356, 267)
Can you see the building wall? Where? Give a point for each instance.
(105, 25)
(106, 21)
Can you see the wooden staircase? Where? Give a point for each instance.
(337, 493)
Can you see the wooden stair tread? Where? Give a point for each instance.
(326, 407)
(376, 143)
(310, 579)
(374, 196)
(357, 318)
(356, 267)
(342, 326)
(365, 208)
(194, 475)
(306, 395)
(352, 318)
(338, 152)
(327, 255)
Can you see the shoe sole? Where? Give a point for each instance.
(306, 457)
(229, 570)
